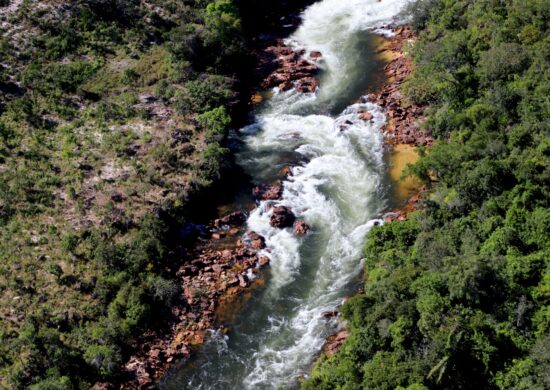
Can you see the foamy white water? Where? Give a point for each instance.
(337, 171)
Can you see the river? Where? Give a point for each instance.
(338, 185)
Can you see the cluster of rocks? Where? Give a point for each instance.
(403, 125)
(334, 342)
(210, 276)
(268, 191)
(281, 216)
(292, 70)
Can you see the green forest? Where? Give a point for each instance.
(113, 121)
(112, 118)
(457, 296)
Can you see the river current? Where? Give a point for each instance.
(337, 186)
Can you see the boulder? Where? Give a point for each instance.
(217, 236)
(365, 116)
(255, 241)
(286, 171)
(264, 260)
(243, 281)
(286, 85)
(234, 219)
(300, 228)
(306, 85)
(315, 55)
(268, 191)
(282, 217)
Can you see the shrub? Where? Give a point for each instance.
(206, 93)
(215, 123)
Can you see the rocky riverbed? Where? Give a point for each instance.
(213, 275)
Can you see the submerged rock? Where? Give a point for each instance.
(315, 55)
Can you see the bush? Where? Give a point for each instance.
(205, 94)
(419, 12)
(454, 296)
(215, 123)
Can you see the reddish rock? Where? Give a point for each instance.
(103, 386)
(300, 228)
(392, 216)
(234, 219)
(155, 353)
(286, 171)
(286, 85)
(291, 68)
(315, 54)
(243, 280)
(334, 343)
(217, 236)
(282, 217)
(268, 191)
(264, 260)
(366, 116)
(255, 240)
(306, 85)
(329, 314)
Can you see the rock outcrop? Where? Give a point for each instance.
(206, 278)
(300, 228)
(268, 191)
(282, 217)
(291, 70)
(403, 118)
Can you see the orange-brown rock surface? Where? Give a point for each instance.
(291, 70)
(404, 119)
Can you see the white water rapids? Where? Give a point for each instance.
(336, 187)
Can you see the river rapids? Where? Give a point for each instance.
(337, 186)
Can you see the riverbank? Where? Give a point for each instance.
(403, 135)
(293, 73)
(226, 259)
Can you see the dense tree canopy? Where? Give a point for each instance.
(457, 297)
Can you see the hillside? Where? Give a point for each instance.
(457, 296)
(112, 115)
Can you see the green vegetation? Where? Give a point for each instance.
(457, 297)
(112, 115)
